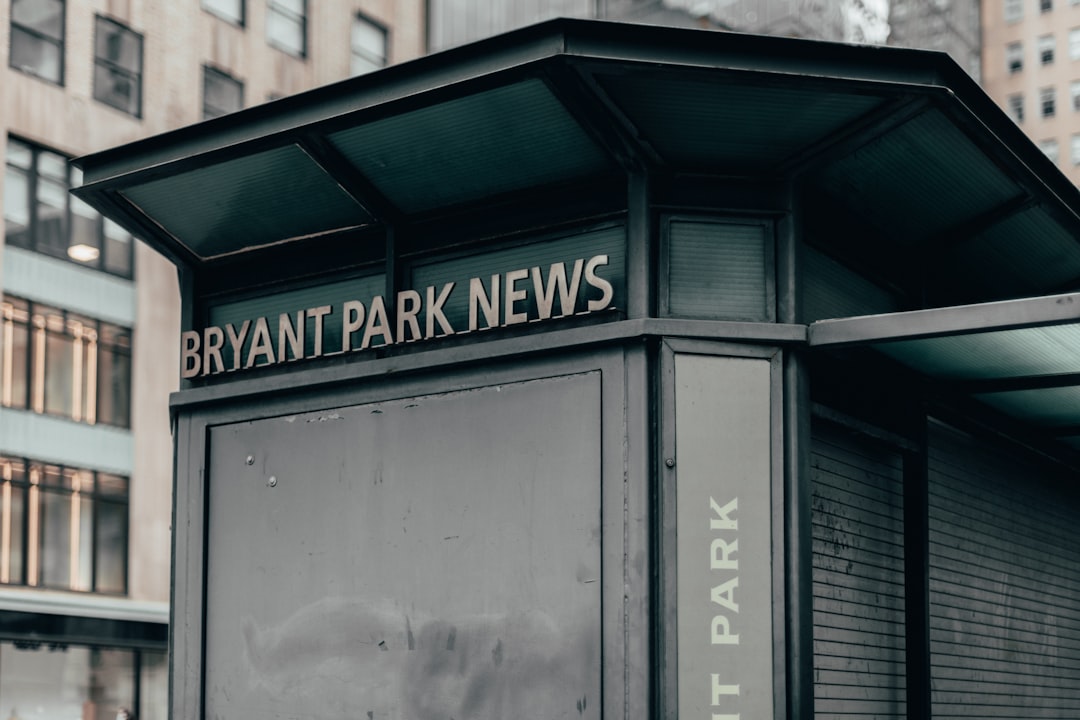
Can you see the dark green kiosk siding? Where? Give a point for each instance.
(858, 576)
(1004, 584)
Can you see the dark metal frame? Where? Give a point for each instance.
(666, 534)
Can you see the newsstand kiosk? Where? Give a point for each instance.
(611, 371)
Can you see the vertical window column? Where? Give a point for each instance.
(369, 46)
(286, 26)
(118, 61)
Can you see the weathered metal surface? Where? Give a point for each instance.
(431, 557)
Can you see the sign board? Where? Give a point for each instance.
(724, 554)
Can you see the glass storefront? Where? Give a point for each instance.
(57, 681)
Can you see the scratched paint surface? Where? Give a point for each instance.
(435, 557)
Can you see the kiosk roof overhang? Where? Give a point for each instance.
(902, 137)
(902, 140)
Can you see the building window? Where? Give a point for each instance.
(1046, 5)
(62, 528)
(1016, 107)
(1046, 49)
(43, 678)
(1074, 44)
(229, 10)
(59, 363)
(1074, 149)
(369, 46)
(37, 38)
(1050, 149)
(222, 93)
(1014, 57)
(118, 66)
(1014, 10)
(1074, 95)
(286, 25)
(41, 215)
(1046, 101)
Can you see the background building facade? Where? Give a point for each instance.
(1031, 67)
(89, 317)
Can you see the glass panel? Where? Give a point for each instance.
(368, 46)
(154, 686)
(16, 328)
(53, 166)
(221, 93)
(112, 529)
(109, 484)
(717, 270)
(111, 686)
(85, 243)
(56, 538)
(51, 207)
(12, 519)
(16, 207)
(285, 32)
(32, 54)
(232, 10)
(85, 548)
(117, 88)
(117, 44)
(59, 373)
(43, 16)
(39, 682)
(113, 386)
(19, 154)
(118, 249)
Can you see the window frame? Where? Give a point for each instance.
(91, 338)
(1014, 57)
(105, 262)
(1046, 6)
(60, 43)
(274, 8)
(1051, 149)
(238, 21)
(360, 17)
(136, 75)
(35, 491)
(1047, 101)
(209, 71)
(1046, 47)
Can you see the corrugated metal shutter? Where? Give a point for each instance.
(1004, 585)
(858, 576)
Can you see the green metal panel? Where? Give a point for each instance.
(730, 126)
(509, 138)
(1008, 353)
(609, 241)
(921, 179)
(1054, 406)
(1029, 252)
(831, 290)
(248, 201)
(718, 270)
(293, 301)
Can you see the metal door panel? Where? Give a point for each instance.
(437, 556)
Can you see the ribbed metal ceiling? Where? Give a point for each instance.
(480, 145)
(728, 126)
(921, 179)
(247, 202)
